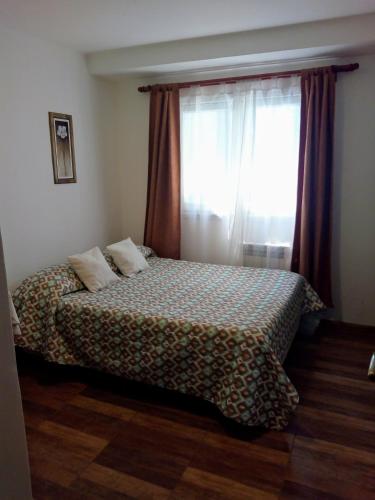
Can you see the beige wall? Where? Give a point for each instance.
(354, 200)
(42, 222)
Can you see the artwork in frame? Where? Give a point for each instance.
(62, 147)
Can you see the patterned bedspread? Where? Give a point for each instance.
(217, 332)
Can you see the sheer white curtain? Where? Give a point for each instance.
(239, 159)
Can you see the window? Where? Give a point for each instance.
(239, 151)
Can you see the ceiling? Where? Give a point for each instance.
(93, 25)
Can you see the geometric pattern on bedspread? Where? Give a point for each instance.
(217, 332)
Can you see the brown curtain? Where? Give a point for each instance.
(312, 238)
(162, 225)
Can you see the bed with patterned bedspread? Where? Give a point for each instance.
(217, 332)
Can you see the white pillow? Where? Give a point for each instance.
(127, 257)
(93, 269)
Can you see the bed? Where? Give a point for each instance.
(217, 332)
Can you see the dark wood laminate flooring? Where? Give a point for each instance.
(95, 436)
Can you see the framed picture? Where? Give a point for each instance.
(62, 147)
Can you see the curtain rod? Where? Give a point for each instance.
(344, 68)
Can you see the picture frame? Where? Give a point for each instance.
(62, 148)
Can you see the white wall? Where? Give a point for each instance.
(132, 155)
(354, 209)
(312, 39)
(354, 198)
(43, 223)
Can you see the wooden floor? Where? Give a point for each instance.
(95, 436)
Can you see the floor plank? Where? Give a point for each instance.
(103, 408)
(119, 482)
(224, 486)
(332, 472)
(153, 453)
